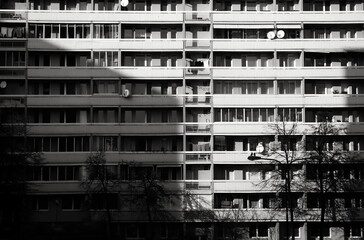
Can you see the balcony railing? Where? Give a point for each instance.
(198, 185)
(198, 157)
(13, 15)
(198, 128)
(193, 99)
(12, 102)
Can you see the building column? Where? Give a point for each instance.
(274, 6)
(304, 232)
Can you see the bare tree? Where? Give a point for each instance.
(327, 175)
(232, 221)
(15, 159)
(102, 182)
(149, 195)
(286, 178)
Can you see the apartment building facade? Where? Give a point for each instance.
(185, 89)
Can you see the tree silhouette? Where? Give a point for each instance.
(16, 157)
(102, 183)
(326, 173)
(287, 155)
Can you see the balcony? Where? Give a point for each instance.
(245, 128)
(116, 157)
(231, 186)
(233, 100)
(252, 215)
(198, 100)
(102, 100)
(200, 16)
(198, 158)
(197, 45)
(333, 100)
(198, 185)
(319, 45)
(298, 16)
(287, 72)
(13, 102)
(57, 187)
(107, 16)
(231, 157)
(135, 216)
(14, 73)
(198, 128)
(11, 15)
(106, 44)
(108, 128)
(11, 44)
(96, 72)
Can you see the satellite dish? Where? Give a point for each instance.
(259, 148)
(126, 93)
(280, 34)
(124, 3)
(3, 84)
(271, 35)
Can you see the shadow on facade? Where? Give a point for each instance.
(80, 101)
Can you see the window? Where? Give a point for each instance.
(105, 115)
(243, 87)
(40, 203)
(244, 115)
(296, 230)
(100, 201)
(259, 230)
(54, 173)
(9, 58)
(169, 172)
(71, 202)
(315, 231)
(355, 231)
(290, 114)
(106, 31)
(289, 87)
(135, 231)
(169, 231)
(58, 144)
(106, 86)
(108, 143)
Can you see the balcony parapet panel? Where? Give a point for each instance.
(115, 157)
(263, 128)
(287, 72)
(282, 17)
(231, 157)
(57, 187)
(319, 45)
(106, 16)
(334, 100)
(111, 72)
(104, 100)
(223, 100)
(109, 128)
(106, 44)
(193, 16)
(231, 186)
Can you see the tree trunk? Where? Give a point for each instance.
(321, 202)
(287, 210)
(109, 222)
(290, 202)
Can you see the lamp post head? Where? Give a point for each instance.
(253, 157)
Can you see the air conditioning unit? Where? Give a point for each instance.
(280, 34)
(126, 93)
